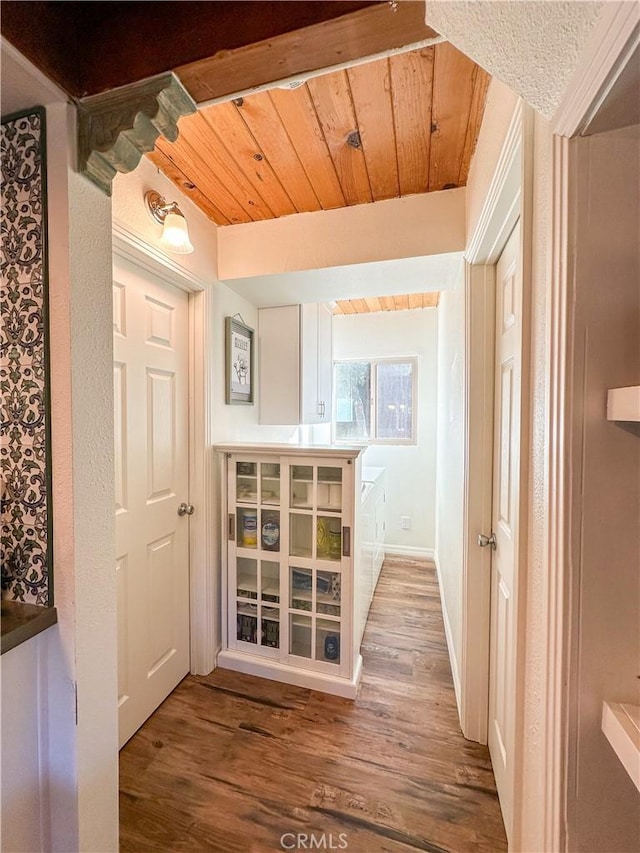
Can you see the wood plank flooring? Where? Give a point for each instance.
(231, 763)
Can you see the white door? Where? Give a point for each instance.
(150, 324)
(506, 454)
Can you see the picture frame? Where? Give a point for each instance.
(239, 362)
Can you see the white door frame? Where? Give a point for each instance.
(203, 580)
(508, 199)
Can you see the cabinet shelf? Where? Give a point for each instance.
(623, 404)
(321, 597)
(621, 726)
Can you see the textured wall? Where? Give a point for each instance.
(532, 46)
(25, 452)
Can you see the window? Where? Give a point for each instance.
(375, 401)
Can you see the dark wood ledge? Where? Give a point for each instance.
(19, 622)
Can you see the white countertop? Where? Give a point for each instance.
(336, 450)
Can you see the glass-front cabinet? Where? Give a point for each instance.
(289, 566)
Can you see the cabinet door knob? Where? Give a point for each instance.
(185, 509)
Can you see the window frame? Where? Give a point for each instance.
(373, 408)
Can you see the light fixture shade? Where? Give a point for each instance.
(175, 234)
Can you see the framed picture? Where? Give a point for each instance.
(239, 362)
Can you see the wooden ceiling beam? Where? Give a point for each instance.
(88, 48)
(375, 31)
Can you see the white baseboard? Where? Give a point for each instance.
(408, 551)
(449, 635)
(276, 671)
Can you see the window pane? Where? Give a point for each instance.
(394, 414)
(353, 400)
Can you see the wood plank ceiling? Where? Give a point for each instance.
(389, 128)
(372, 304)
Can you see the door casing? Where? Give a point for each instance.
(509, 198)
(203, 532)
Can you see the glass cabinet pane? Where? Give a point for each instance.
(300, 635)
(330, 488)
(301, 589)
(270, 530)
(247, 622)
(247, 528)
(271, 627)
(247, 580)
(302, 486)
(328, 641)
(247, 482)
(270, 483)
(328, 538)
(328, 593)
(300, 535)
(270, 586)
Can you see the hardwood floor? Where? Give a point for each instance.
(231, 763)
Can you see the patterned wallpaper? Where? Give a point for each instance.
(24, 411)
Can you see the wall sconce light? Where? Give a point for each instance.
(175, 234)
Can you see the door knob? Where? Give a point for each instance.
(185, 509)
(483, 541)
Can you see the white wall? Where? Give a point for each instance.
(411, 227)
(410, 469)
(450, 468)
(604, 806)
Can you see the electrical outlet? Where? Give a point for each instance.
(405, 522)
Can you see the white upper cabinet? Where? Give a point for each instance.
(295, 357)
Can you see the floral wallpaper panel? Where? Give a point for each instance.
(24, 411)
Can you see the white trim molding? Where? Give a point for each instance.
(502, 203)
(557, 538)
(128, 245)
(448, 632)
(610, 47)
(408, 551)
